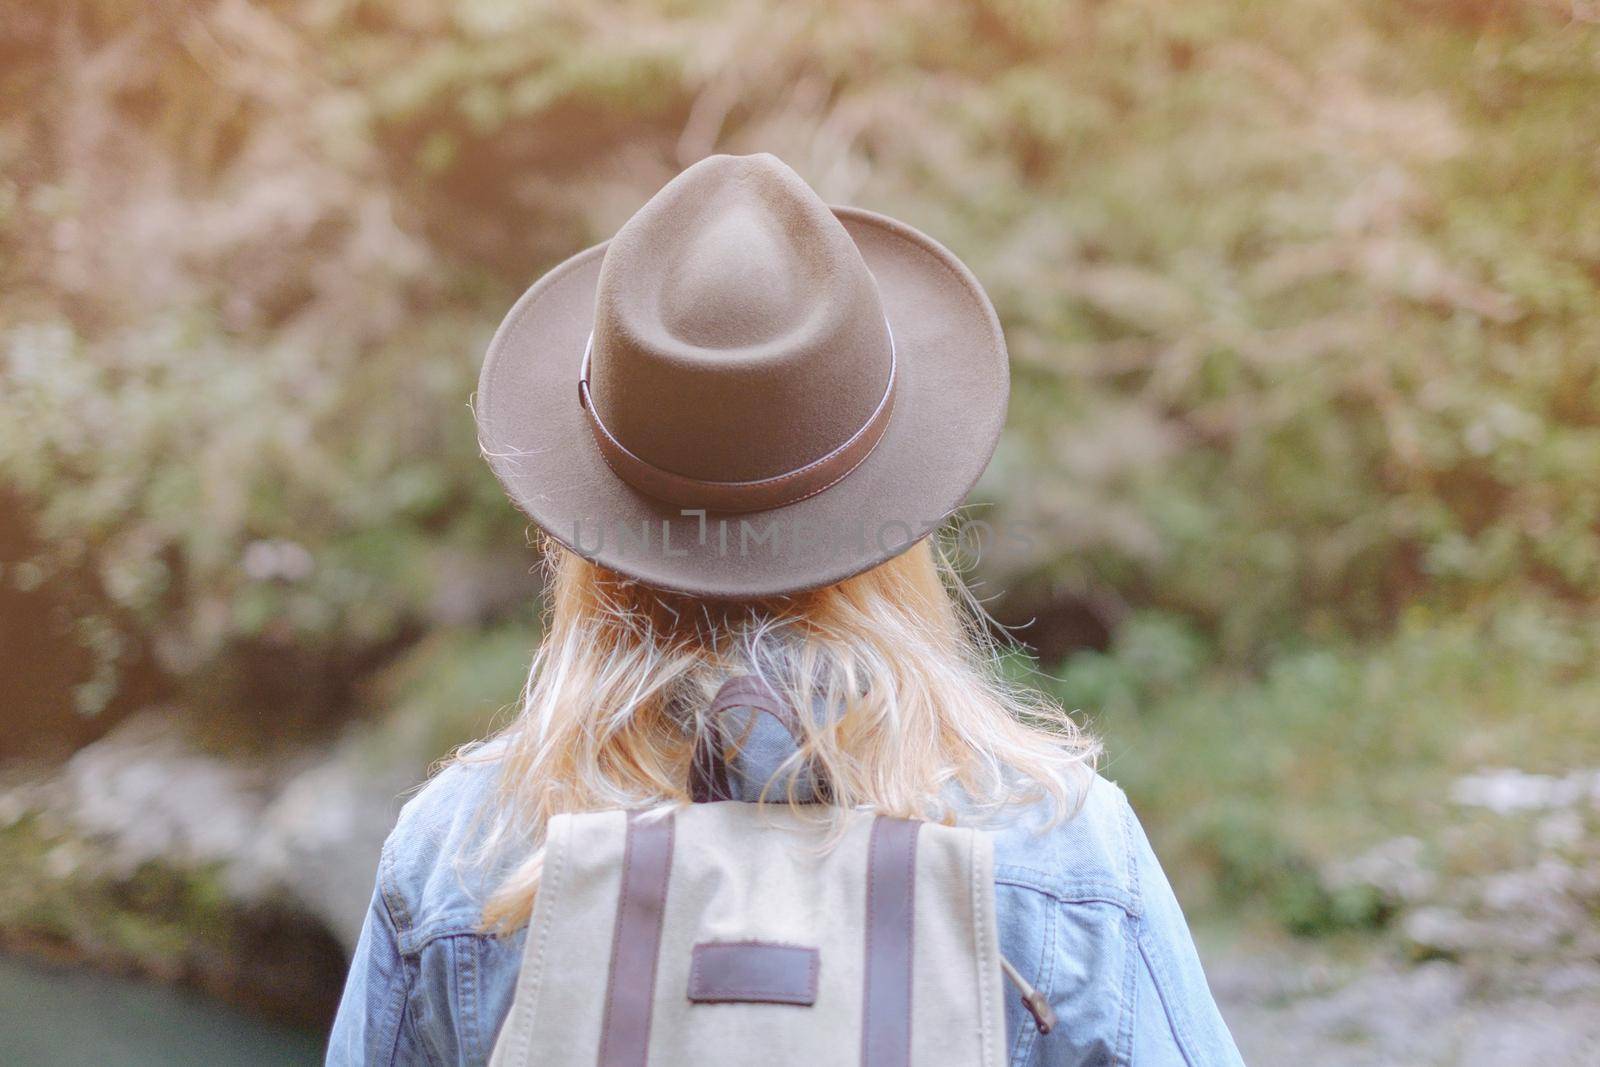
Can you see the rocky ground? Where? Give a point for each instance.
(1490, 955)
(1298, 1004)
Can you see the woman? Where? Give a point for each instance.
(776, 405)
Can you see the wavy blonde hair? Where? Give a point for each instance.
(928, 725)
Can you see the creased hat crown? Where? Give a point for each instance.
(738, 333)
(745, 393)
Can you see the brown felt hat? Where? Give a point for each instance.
(745, 392)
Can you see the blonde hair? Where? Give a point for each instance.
(925, 724)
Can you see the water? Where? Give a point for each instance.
(54, 1017)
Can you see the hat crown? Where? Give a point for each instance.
(738, 332)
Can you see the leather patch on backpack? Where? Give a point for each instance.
(753, 972)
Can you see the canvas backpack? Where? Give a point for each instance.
(729, 932)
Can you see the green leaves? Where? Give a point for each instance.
(1301, 300)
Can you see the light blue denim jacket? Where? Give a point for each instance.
(1085, 914)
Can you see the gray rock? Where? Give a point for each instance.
(306, 831)
(1395, 868)
(1507, 790)
(147, 794)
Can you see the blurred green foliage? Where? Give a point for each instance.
(1303, 302)
(1257, 784)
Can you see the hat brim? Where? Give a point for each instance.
(950, 405)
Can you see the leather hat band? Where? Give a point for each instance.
(736, 497)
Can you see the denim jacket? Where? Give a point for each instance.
(1085, 914)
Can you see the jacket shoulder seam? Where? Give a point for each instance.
(1125, 825)
(394, 903)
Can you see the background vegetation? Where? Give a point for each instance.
(1303, 302)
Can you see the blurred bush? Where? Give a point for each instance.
(1302, 300)
(1259, 786)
